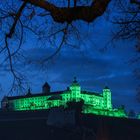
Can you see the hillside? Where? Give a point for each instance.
(32, 125)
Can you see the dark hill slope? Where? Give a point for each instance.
(32, 125)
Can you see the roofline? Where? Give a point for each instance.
(34, 95)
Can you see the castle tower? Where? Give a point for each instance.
(75, 90)
(46, 88)
(107, 98)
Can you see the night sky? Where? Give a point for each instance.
(96, 62)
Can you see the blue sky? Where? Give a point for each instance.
(96, 62)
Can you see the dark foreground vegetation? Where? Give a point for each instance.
(33, 126)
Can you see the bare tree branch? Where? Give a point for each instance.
(64, 30)
(135, 2)
(16, 19)
(69, 14)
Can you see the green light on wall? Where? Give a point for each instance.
(94, 104)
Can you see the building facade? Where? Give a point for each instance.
(94, 103)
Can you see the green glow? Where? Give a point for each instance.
(138, 116)
(34, 103)
(107, 98)
(96, 104)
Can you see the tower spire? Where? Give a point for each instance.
(75, 80)
(29, 91)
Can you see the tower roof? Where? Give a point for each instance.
(75, 80)
(46, 84)
(75, 83)
(106, 87)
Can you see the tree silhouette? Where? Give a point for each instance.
(50, 21)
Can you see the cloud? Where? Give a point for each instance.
(93, 69)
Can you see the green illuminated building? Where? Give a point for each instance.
(138, 116)
(94, 103)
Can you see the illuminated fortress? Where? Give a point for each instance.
(94, 103)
